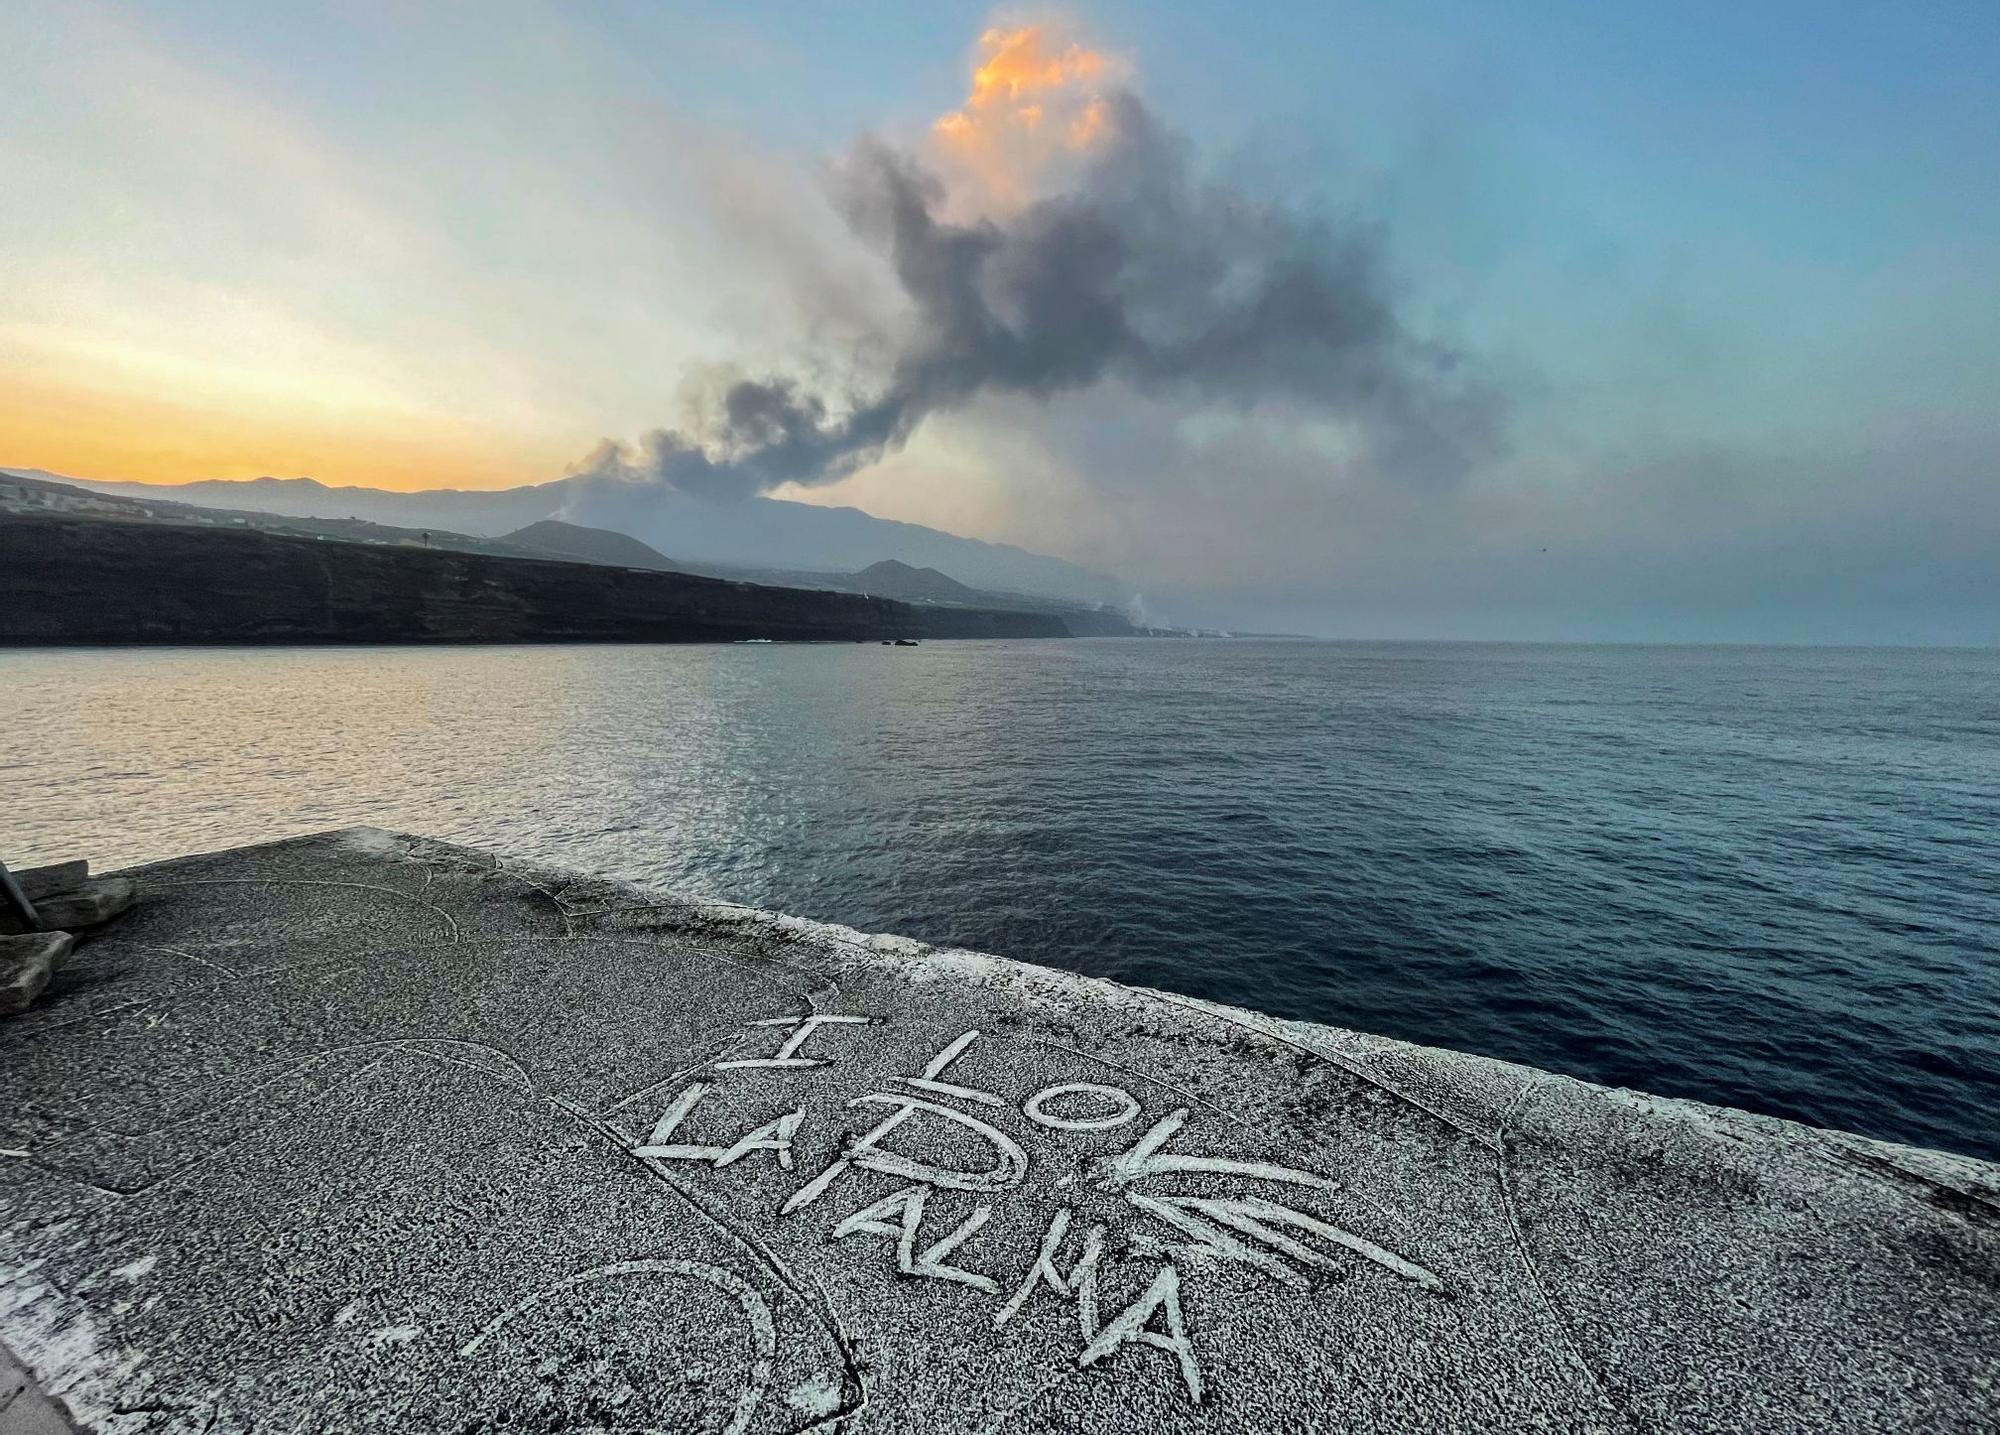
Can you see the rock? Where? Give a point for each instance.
(94, 902)
(26, 963)
(52, 880)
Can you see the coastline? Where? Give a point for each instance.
(74, 581)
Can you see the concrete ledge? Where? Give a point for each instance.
(25, 1408)
(362, 1131)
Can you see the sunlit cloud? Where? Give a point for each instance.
(1037, 100)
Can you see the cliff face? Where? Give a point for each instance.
(66, 579)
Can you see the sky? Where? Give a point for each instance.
(1639, 322)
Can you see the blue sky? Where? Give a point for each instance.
(1733, 267)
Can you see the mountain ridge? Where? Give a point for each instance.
(893, 578)
(78, 577)
(592, 545)
(759, 532)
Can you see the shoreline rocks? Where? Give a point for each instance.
(91, 905)
(26, 964)
(53, 880)
(65, 899)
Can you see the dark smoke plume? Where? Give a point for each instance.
(1140, 272)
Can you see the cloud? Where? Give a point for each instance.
(1034, 100)
(1052, 235)
(1246, 524)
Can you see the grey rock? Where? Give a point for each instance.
(93, 903)
(27, 963)
(363, 1132)
(57, 877)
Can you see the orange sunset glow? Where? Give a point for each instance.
(142, 438)
(174, 358)
(1034, 98)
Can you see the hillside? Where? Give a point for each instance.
(36, 493)
(591, 545)
(555, 541)
(68, 578)
(899, 580)
(766, 533)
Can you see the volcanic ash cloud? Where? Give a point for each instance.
(1052, 234)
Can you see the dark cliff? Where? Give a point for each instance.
(67, 579)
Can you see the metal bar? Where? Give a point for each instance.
(15, 898)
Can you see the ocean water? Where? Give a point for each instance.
(1763, 877)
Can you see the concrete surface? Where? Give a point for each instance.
(362, 1132)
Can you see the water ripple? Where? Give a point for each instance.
(1764, 877)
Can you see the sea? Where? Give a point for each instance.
(1764, 877)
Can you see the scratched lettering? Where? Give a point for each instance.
(787, 1056)
(1232, 1217)
(907, 1205)
(1123, 1107)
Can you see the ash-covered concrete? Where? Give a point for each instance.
(363, 1132)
